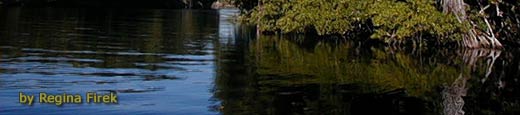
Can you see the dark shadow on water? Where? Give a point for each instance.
(298, 75)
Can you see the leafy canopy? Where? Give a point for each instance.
(394, 19)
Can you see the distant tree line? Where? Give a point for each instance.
(169, 4)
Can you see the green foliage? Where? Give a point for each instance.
(390, 18)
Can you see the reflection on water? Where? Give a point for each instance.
(158, 61)
(199, 62)
(284, 76)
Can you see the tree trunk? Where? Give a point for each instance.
(474, 38)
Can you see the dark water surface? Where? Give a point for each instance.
(199, 62)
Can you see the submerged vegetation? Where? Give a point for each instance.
(393, 21)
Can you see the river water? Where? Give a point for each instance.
(201, 62)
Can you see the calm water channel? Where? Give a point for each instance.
(200, 62)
